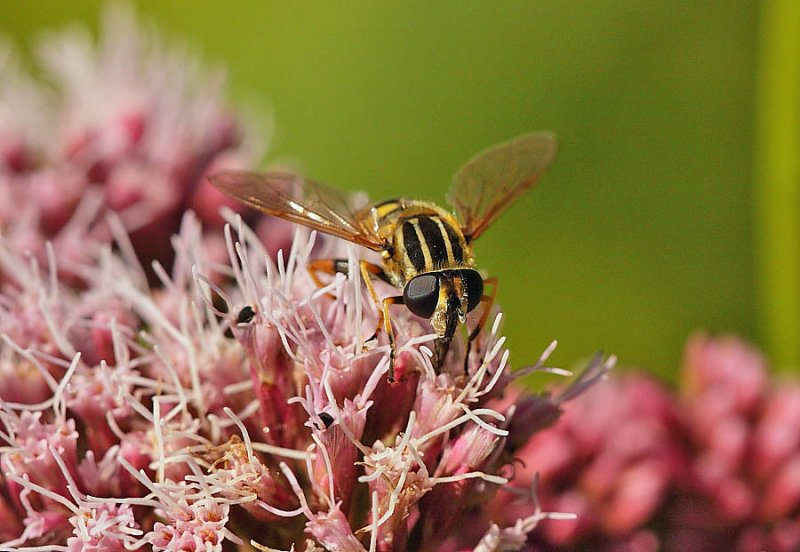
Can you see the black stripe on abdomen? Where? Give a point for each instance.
(413, 247)
(432, 235)
(455, 245)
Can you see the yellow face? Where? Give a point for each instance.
(445, 297)
(450, 307)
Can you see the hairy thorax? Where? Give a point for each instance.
(421, 238)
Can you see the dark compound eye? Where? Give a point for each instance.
(473, 283)
(421, 295)
(245, 315)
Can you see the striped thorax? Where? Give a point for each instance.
(421, 237)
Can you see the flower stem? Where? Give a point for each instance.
(777, 177)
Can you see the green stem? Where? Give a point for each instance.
(777, 191)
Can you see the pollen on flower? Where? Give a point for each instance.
(177, 381)
(290, 419)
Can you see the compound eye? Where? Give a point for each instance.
(473, 283)
(422, 294)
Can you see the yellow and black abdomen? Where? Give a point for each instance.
(431, 244)
(423, 238)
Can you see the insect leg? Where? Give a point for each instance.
(367, 270)
(342, 266)
(488, 301)
(326, 266)
(387, 325)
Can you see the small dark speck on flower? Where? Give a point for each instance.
(326, 418)
(245, 315)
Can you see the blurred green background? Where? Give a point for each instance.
(643, 232)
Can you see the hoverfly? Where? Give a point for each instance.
(426, 251)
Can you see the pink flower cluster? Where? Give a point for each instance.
(715, 466)
(127, 126)
(609, 460)
(197, 391)
(743, 432)
(245, 406)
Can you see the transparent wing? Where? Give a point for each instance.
(296, 199)
(487, 184)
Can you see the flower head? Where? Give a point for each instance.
(745, 453)
(198, 391)
(127, 125)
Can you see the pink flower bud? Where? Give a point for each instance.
(637, 494)
(781, 496)
(777, 435)
(56, 192)
(272, 374)
(333, 531)
(206, 200)
(338, 451)
(724, 365)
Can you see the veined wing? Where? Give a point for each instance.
(487, 184)
(299, 200)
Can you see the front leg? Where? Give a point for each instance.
(488, 301)
(387, 325)
(368, 271)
